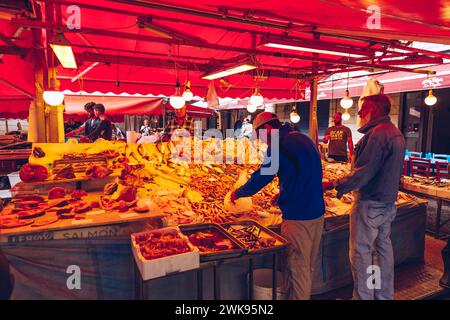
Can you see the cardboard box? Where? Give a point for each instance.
(151, 269)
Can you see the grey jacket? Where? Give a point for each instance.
(378, 163)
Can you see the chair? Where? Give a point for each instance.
(441, 157)
(413, 154)
(419, 166)
(442, 170)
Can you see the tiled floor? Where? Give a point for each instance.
(412, 281)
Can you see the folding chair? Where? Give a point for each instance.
(419, 166)
(442, 170)
(441, 157)
(413, 154)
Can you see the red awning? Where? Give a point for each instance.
(120, 47)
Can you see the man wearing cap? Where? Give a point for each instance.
(300, 198)
(338, 137)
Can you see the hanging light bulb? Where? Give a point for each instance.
(430, 100)
(346, 102)
(53, 97)
(295, 117)
(251, 107)
(176, 100)
(256, 99)
(187, 94)
(346, 116)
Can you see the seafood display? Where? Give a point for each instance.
(210, 241)
(252, 236)
(154, 245)
(33, 173)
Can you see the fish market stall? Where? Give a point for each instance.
(100, 207)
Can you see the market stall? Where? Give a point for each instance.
(87, 199)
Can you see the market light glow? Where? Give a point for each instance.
(257, 99)
(304, 49)
(251, 108)
(229, 71)
(430, 100)
(187, 94)
(63, 51)
(53, 97)
(295, 117)
(345, 116)
(346, 102)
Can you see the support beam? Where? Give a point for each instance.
(116, 34)
(13, 50)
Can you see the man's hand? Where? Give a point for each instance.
(274, 200)
(328, 185)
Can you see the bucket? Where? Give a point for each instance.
(262, 285)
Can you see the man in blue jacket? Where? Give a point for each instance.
(300, 199)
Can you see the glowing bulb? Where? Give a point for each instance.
(295, 117)
(346, 116)
(251, 108)
(430, 100)
(346, 102)
(177, 101)
(53, 97)
(188, 95)
(256, 99)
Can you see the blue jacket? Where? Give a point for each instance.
(300, 177)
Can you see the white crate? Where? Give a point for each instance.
(160, 267)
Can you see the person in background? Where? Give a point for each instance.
(337, 137)
(145, 129)
(89, 125)
(247, 129)
(19, 126)
(6, 280)
(180, 121)
(375, 178)
(104, 128)
(300, 199)
(238, 126)
(117, 133)
(70, 125)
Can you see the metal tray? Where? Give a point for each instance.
(234, 253)
(277, 237)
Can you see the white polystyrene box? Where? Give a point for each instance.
(151, 269)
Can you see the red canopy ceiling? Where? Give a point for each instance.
(207, 34)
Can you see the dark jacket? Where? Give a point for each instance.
(378, 163)
(102, 130)
(90, 125)
(300, 177)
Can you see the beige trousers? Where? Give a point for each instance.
(304, 238)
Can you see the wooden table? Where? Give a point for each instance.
(441, 195)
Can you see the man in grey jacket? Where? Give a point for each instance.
(375, 178)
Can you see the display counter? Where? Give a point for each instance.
(97, 241)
